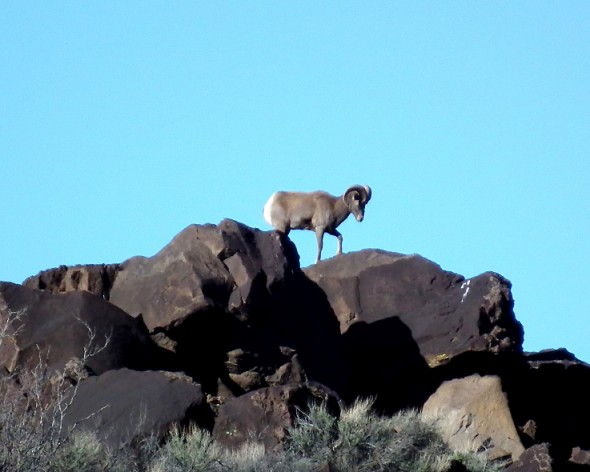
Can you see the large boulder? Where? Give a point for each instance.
(267, 413)
(182, 279)
(402, 316)
(228, 267)
(473, 416)
(446, 314)
(123, 405)
(56, 328)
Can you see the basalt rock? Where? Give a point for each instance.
(229, 306)
(226, 300)
(549, 395)
(267, 413)
(446, 313)
(124, 405)
(53, 329)
(206, 268)
(401, 316)
(183, 279)
(94, 278)
(535, 459)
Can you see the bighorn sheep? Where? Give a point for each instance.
(316, 211)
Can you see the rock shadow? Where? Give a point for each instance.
(384, 362)
(201, 346)
(294, 319)
(301, 318)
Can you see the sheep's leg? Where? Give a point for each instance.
(282, 230)
(336, 233)
(319, 233)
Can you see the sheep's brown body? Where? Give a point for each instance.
(315, 211)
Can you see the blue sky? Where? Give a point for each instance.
(123, 122)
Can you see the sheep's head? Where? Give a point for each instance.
(356, 197)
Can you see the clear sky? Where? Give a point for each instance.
(123, 122)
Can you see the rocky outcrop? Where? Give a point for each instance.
(96, 278)
(224, 315)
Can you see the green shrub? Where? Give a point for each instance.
(368, 442)
(83, 452)
(477, 463)
(362, 437)
(360, 440)
(314, 435)
(190, 451)
(253, 457)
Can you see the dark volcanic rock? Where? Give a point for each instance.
(534, 459)
(231, 307)
(123, 405)
(96, 278)
(550, 390)
(401, 316)
(205, 268)
(55, 326)
(208, 293)
(446, 314)
(267, 413)
(209, 296)
(184, 278)
(260, 264)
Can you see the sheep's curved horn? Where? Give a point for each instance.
(364, 192)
